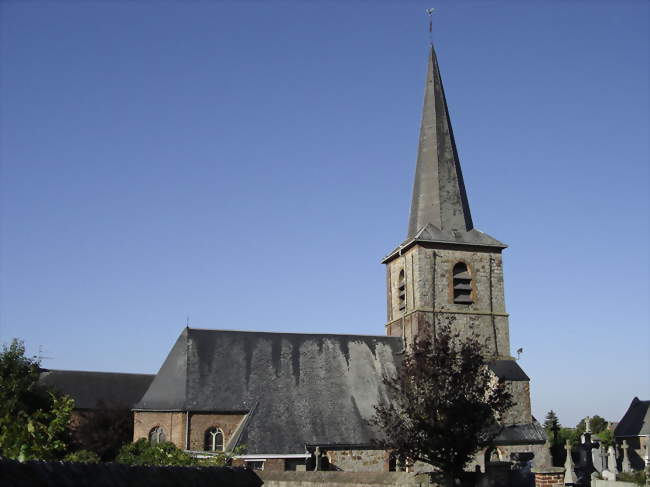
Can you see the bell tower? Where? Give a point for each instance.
(446, 267)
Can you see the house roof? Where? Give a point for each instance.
(295, 388)
(88, 388)
(636, 420)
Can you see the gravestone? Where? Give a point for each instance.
(610, 473)
(611, 460)
(625, 466)
(599, 458)
(569, 472)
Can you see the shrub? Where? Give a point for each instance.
(82, 456)
(142, 452)
(638, 477)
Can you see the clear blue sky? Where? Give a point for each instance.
(248, 165)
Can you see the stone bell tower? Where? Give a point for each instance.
(445, 267)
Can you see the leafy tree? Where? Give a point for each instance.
(596, 423)
(606, 437)
(82, 456)
(223, 458)
(104, 430)
(33, 422)
(445, 404)
(142, 452)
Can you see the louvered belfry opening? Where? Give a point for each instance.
(401, 288)
(462, 284)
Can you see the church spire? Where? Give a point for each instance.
(439, 196)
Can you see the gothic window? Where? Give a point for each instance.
(157, 435)
(213, 440)
(462, 284)
(401, 290)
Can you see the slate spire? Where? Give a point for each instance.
(439, 196)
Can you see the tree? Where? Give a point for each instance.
(82, 456)
(33, 422)
(104, 430)
(142, 452)
(445, 403)
(606, 437)
(552, 426)
(596, 423)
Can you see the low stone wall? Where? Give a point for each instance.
(611, 483)
(342, 479)
(60, 474)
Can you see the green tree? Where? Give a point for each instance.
(445, 403)
(105, 430)
(142, 452)
(33, 422)
(82, 456)
(552, 426)
(596, 423)
(606, 437)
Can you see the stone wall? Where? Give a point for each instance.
(342, 479)
(520, 412)
(428, 291)
(610, 483)
(62, 474)
(358, 460)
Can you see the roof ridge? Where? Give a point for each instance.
(289, 332)
(94, 371)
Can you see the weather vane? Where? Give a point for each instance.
(429, 12)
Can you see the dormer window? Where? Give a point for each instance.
(462, 284)
(401, 290)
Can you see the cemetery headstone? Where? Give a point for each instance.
(626, 466)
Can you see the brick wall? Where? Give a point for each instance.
(201, 422)
(549, 479)
(174, 425)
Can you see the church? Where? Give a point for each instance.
(301, 400)
(291, 396)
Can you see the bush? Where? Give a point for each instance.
(638, 477)
(142, 452)
(82, 456)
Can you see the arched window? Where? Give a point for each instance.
(462, 284)
(213, 440)
(401, 290)
(157, 435)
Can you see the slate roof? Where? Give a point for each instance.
(636, 420)
(88, 388)
(294, 389)
(298, 388)
(508, 370)
(440, 210)
(521, 434)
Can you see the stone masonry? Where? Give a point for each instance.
(428, 275)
